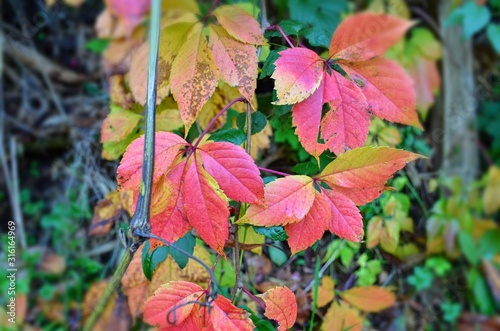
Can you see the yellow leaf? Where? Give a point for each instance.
(341, 317)
(326, 292)
(491, 195)
(373, 231)
(247, 235)
(194, 75)
(237, 62)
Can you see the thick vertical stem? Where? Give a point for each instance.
(460, 155)
(140, 220)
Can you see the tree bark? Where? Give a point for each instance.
(459, 136)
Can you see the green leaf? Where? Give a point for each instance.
(451, 311)
(186, 243)
(482, 295)
(97, 45)
(261, 324)
(475, 17)
(439, 265)
(273, 232)
(259, 122)
(489, 243)
(269, 179)
(289, 27)
(421, 279)
(233, 136)
(277, 255)
(151, 260)
(269, 67)
(224, 273)
(346, 256)
(468, 247)
(306, 168)
(493, 32)
(317, 37)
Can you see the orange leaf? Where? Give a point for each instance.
(281, 306)
(387, 88)
(299, 72)
(194, 75)
(366, 167)
(167, 148)
(206, 207)
(288, 200)
(171, 40)
(309, 230)
(172, 303)
(239, 24)
(326, 292)
(234, 170)
(237, 62)
(363, 36)
(370, 298)
(341, 317)
(346, 220)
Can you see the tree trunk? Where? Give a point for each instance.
(460, 152)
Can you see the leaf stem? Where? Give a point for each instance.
(274, 171)
(254, 298)
(240, 99)
(277, 27)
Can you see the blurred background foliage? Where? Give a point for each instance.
(435, 238)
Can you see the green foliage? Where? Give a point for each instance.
(259, 121)
(234, 136)
(273, 232)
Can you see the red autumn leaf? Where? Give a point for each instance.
(287, 200)
(206, 206)
(224, 316)
(346, 125)
(281, 306)
(237, 62)
(306, 232)
(298, 74)
(167, 148)
(194, 75)
(171, 222)
(239, 24)
(366, 167)
(172, 303)
(346, 220)
(363, 36)
(370, 299)
(234, 170)
(387, 88)
(131, 12)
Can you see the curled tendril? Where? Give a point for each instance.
(176, 307)
(211, 295)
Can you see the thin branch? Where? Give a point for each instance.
(279, 173)
(277, 27)
(240, 99)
